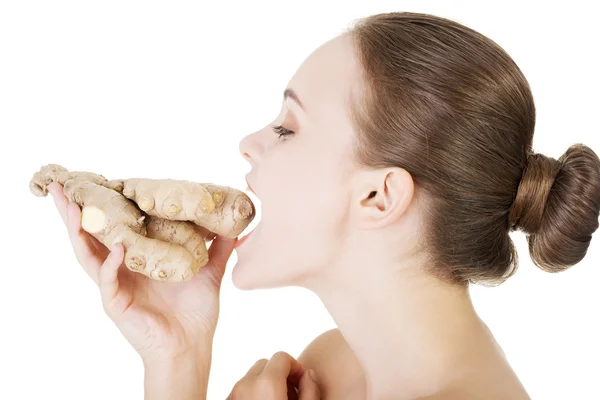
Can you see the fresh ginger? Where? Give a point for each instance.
(163, 224)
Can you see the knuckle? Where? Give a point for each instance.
(239, 389)
(114, 307)
(280, 355)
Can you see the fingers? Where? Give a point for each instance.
(88, 253)
(282, 367)
(292, 392)
(101, 249)
(219, 252)
(84, 250)
(115, 302)
(308, 388)
(257, 368)
(60, 200)
(280, 377)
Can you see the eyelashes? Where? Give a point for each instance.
(281, 131)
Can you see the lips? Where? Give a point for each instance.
(250, 229)
(250, 188)
(243, 239)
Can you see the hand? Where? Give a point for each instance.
(280, 378)
(160, 320)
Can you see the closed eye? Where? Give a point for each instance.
(282, 131)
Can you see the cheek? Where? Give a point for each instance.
(304, 214)
(301, 212)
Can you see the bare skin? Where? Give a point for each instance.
(340, 373)
(341, 376)
(355, 243)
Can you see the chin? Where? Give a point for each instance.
(242, 278)
(247, 275)
(254, 271)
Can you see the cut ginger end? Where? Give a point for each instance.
(93, 219)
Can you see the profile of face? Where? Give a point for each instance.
(303, 180)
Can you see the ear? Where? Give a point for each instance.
(386, 196)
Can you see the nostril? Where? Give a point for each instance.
(249, 148)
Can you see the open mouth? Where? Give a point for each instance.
(251, 227)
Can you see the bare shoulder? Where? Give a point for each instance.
(336, 366)
(341, 376)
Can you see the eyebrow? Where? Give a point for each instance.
(291, 94)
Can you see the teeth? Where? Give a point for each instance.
(258, 215)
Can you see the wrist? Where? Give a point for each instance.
(176, 348)
(183, 375)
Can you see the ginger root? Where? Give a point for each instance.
(163, 224)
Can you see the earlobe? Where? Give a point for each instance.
(386, 201)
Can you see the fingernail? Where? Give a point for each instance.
(116, 242)
(312, 375)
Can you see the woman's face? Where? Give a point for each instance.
(302, 180)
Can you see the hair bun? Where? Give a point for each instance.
(538, 178)
(557, 205)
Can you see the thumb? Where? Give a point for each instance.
(218, 254)
(114, 299)
(308, 388)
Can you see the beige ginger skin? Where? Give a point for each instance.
(163, 224)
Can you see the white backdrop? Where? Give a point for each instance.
(168, 89)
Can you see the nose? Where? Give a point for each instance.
(250, 148)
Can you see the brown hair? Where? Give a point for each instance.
(451, 107)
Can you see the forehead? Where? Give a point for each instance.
(324, 80)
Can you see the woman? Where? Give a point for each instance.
(399, 163)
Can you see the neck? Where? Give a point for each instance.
(407, 329)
